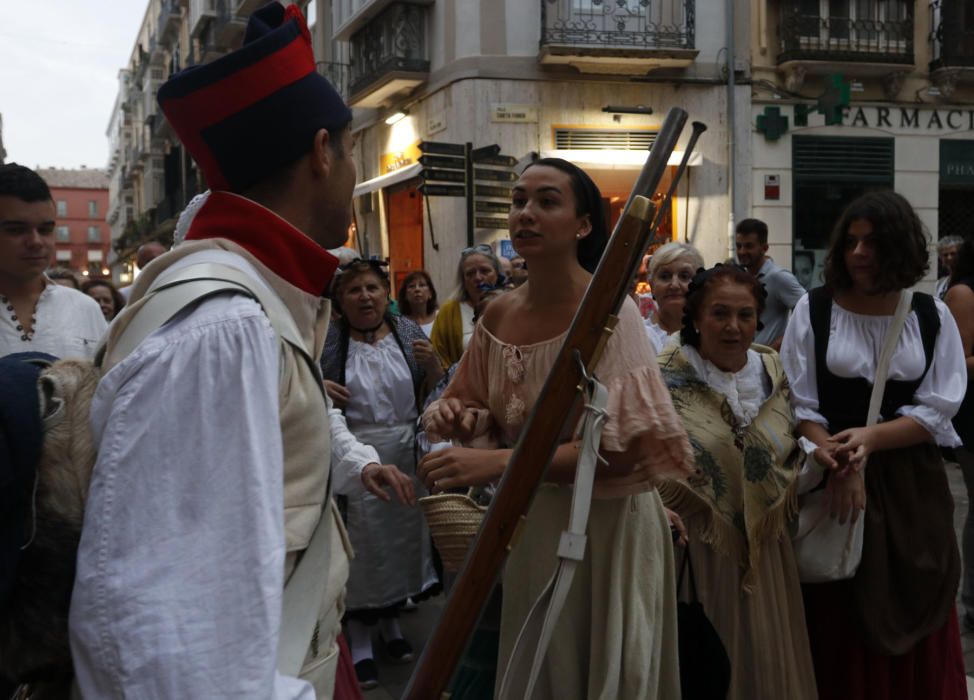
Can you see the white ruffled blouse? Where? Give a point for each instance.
(855, 341)
(745, 390)
(656, 334)
(380, 383)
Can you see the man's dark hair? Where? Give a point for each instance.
(900, 242)
(749, 226)
(23, 183)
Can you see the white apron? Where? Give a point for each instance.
(393, 554)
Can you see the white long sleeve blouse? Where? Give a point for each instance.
(855, 341)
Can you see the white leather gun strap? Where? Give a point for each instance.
(519, 679)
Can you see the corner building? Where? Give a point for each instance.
(586, 80)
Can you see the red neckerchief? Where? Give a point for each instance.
(277, 244)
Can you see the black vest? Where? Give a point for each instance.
(845, 402)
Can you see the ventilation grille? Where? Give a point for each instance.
(840, 159)
(604, 139)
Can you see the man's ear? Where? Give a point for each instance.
(322, 154)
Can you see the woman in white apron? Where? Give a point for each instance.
(371, 370)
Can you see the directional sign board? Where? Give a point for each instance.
(442, 149)
(492, 191)
(431, 190)
(494, 175)
(488, 207)
(479, 155)
(491, 222)
(443, 175)
(504, 161)
(453, 162)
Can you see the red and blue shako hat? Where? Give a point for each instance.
(257, 109)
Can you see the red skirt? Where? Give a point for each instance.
(346, 683)
(846, 669)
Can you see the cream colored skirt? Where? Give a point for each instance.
(617, 635)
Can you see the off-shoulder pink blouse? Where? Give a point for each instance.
(506, 380)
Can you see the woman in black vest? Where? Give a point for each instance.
(890, 631)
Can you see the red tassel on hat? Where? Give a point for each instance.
(292, 11)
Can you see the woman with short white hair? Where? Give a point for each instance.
(670, 270)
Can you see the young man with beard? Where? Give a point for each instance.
(784, 291)
(213, 462)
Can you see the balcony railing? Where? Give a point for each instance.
(875, 32)
(392, 42)
(952, 39)
(337, 74)
(618, 24)
(170, 13)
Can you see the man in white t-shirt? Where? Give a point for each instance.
(37, 315)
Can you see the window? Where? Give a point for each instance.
(62, 256)
(62, 208)
(63, 234)
(94, 256)
(92, 209)
(94, 235)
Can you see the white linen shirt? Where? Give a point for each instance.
(855, 341)
(181, 562)
(68, 324)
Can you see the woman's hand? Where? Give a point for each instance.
(450, 419)
(851, 447)
(676, 524)
(847, 492)
(457, 467)
(426, 356)
(825, 455)
(375, 476)
(339, 394)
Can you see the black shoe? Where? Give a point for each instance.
(367, 673)
(399, 650)
(968, 622)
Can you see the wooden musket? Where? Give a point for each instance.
(541, 435)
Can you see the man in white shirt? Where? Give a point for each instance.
(213, 435)
(37, 315)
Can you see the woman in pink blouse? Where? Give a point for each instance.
(616, 636)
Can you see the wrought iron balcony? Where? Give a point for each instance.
(871, 32)
(389, 55)
(632, 24)
(170, 14)
(337, 74)
(952, 38)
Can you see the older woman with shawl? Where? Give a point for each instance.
(734, 401)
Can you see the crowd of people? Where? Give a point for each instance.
(297, 411)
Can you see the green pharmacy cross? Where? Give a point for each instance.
(772, 123)
(834, 99)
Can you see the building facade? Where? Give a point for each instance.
(852, 96)
(82, 236)
(151, 177)
(585, 80)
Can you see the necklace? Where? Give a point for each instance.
(368, 334)
(25, 335)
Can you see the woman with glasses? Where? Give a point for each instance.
(478, 270)
(616, 635)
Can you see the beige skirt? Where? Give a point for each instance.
(763, 631)
(617, 634)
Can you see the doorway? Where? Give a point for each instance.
(405, 227)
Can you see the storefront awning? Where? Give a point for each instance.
(615, 159)
(396, 176)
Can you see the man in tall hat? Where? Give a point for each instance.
(213, 438)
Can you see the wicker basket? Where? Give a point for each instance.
(453, 519)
